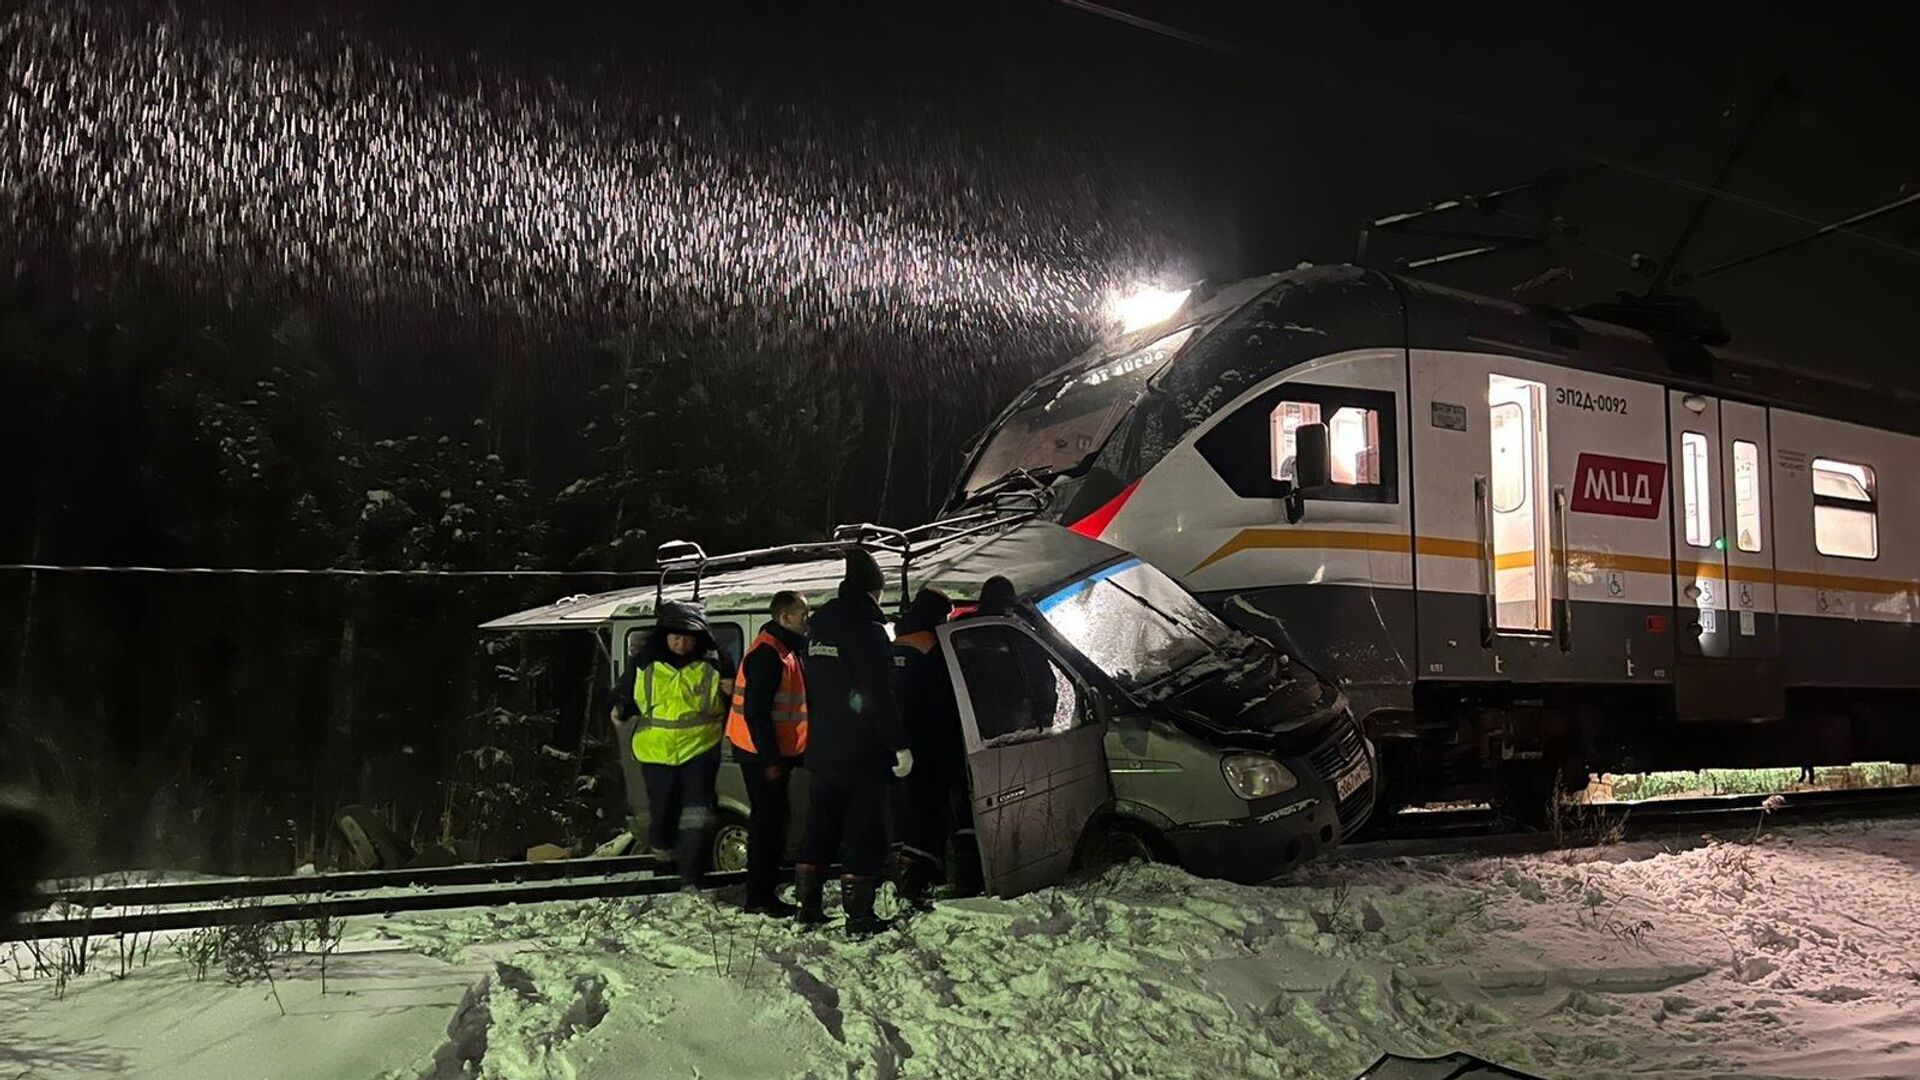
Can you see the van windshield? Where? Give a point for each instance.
(1136, 624)
(1062, 422)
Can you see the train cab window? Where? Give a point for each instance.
(1253, 448)
(1696, 490)
(1846, 510)
(1746, 495)
(1353, 440)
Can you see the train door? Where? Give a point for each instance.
(1035, 751)
(1747, 506)
(1517, 502)
(1713, 681)
(1538, 493)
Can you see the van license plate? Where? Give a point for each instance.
(1349, 782)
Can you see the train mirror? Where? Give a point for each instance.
(1312, 461)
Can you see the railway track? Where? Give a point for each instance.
(1454, 830)
(144, 909)
(104, 911)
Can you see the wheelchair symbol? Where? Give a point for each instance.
(1746, 595)
(1616, 584)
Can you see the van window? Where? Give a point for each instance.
(1846, 510)
(1018, 691)
(1134, 623)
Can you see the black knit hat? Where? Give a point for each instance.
(929, 609)
(863, 573)
(997, 596)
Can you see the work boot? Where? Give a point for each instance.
(808, 885)
(969, 877)
(771, 906)
(856, 896)
(912, 879)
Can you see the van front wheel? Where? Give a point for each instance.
(730, 844)
(1112, 841)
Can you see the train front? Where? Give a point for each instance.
(1083, 436)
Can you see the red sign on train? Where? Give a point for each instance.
(1623, 487)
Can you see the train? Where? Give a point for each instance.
(1528, 544)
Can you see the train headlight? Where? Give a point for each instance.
(1147, 306)
(1256, 776)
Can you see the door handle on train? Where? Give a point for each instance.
(1566, 569)
(1483, 502)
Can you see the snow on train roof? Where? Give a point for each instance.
(1036, 556)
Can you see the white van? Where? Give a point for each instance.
(1172, 734)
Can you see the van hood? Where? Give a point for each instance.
(1259, 696)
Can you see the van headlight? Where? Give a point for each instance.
(1256, 776)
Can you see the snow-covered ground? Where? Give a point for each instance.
(1793, 955)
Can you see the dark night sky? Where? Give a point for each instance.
(1253, 163)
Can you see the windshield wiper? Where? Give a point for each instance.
(1039, 477)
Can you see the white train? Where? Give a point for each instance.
(1528, 544)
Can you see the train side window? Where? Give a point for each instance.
(1746, 495)
(1253, 448)
(1696, 489)
(1846, 510)
(1510, 435)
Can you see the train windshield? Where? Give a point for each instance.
(1062, 422)
(1136, 624)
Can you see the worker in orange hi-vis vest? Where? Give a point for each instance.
(768, 729)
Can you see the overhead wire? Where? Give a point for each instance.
(316, 571)
(1317, 73)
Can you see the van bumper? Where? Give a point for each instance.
(1281, 833)
(1255, 849)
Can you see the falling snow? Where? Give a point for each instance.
(326, 166)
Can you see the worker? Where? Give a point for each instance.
(923, 806)
(854, 739)
(669, 712)
(768, 729)
(27, 854)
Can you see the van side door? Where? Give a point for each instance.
(1035, 753)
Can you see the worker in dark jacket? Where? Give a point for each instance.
(924, 813)
(768, 729)
(854, 739)
(669, 712)
(27, 854)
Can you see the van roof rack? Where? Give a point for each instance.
(1004, 511)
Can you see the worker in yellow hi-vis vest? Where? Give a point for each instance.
(670, 712)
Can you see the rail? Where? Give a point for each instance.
(302, 907)
(1448, 831)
